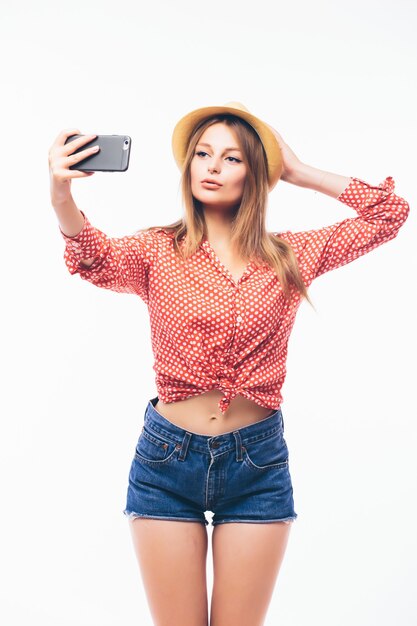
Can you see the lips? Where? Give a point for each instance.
(211, 186)
(212, 181)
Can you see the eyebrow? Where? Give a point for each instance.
(225, 150)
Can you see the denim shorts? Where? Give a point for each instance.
(239, 476)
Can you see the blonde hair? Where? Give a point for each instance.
(248, 233)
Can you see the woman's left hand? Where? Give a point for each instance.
(291, 164)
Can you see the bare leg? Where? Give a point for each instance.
(172, 561)
(246, 562)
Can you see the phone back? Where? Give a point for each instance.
(113, 156)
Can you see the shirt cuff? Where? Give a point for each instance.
(360, 194)
(87, 244)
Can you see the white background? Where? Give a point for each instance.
(337, 80)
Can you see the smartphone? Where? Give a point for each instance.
(113, 156)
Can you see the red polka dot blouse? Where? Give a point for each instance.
(210, 332)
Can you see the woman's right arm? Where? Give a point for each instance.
(71, 220)
(118, 263)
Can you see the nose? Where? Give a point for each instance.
(213, 167)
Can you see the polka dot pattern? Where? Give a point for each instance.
(381, 213)
(210, 332)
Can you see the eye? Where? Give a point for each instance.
(234, 158)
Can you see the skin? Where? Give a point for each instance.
(172, 560)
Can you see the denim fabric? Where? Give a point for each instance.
(239, 476)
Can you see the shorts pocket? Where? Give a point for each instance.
(268, 453)
(154, 448)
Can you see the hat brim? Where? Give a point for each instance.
(184, 128)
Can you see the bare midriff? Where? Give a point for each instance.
(201, 415)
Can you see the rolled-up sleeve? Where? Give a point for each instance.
(381, 213)
(120, 263)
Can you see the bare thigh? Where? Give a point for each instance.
(246, 562)
(172, 561)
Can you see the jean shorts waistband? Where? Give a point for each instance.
(261, 429)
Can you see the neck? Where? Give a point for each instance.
(218, 222)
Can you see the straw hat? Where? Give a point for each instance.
(183, 129)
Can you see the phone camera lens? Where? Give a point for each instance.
(126, 141)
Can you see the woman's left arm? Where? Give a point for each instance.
(380, 215)
(326, 182)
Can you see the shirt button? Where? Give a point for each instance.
(239, 318)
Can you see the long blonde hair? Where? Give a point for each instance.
(248, 232)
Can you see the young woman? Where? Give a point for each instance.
(222, 295)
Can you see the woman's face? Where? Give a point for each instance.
(214, 159)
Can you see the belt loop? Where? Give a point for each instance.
(184, 446)
(239, 446)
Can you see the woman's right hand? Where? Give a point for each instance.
(60, 159)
